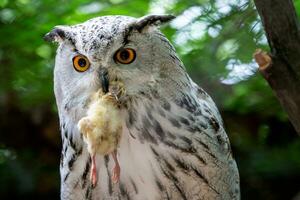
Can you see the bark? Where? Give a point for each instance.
(281, 67)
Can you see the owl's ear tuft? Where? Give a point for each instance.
(150, 20)
(145, 22)
(58, 34)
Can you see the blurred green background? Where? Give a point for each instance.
(214, 38)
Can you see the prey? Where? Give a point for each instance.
(102, 127)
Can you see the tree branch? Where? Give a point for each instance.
(281, 68)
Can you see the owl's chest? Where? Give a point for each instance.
(140, 175)
(138, 166)
(163, 155)
(148, 168)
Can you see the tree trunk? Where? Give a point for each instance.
(281, 68)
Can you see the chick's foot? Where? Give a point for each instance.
(116, 170)
(94, 175)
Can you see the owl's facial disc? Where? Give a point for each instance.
(93, 54)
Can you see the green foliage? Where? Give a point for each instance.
(214, 38)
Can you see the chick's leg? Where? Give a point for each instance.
(116, 169)
(93, 176)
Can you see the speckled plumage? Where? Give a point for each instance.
(173, 144)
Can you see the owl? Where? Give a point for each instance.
(173, 143)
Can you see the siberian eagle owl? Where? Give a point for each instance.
(173, 143)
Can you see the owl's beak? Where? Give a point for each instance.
(104, 78)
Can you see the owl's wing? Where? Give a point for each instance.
(186, 143)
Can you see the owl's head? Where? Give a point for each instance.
(124, 48)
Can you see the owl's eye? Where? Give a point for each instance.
(125, 56)
(81, 63)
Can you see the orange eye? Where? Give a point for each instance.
(81, 63)
(125, 56)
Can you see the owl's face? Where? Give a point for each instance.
(129, 49)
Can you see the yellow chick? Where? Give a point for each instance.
(102, 127)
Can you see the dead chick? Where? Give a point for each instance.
(102, 127)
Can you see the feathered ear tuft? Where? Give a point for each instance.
(149, 20)
(58, 34)
(144, 22)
